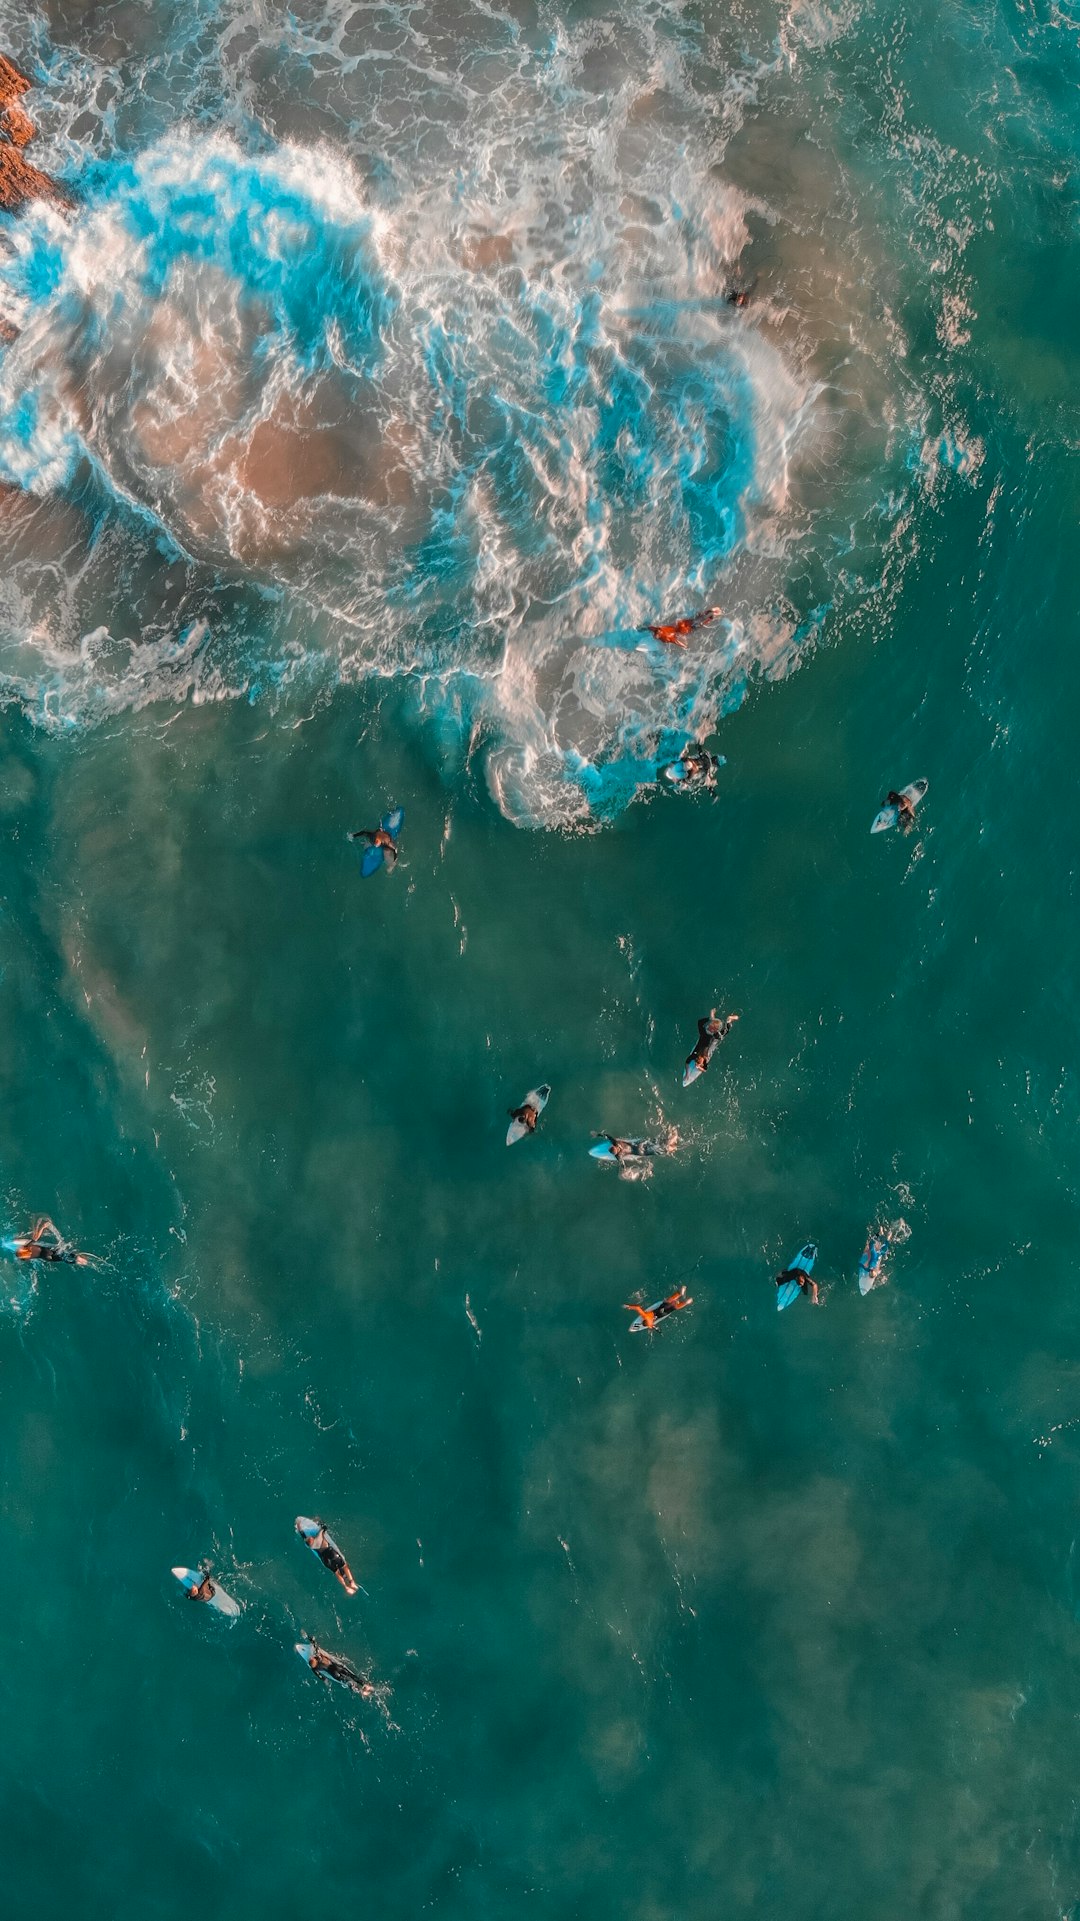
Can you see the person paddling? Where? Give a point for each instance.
(710, 1033)
(650, 1317)
(378, 837)
(45, 1243)
(337, 1669)
(676, 633)
(905, 809)
(802, 1280)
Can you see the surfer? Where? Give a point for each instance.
(740, 296)
(905, 809)
(701, 766)
(709, 1035)
(676, 632)
(203, 1590)
(626, 1150)
(528, 1114)
(801, 1279)
(650, 1317)
(378, 837)
(338, 1670)
(46, 1243)
(329, 1554)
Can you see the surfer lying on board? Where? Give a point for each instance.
(676, 632)
(709, 1035)
(625, 1150)
(46, 1243)
(650, 1317)
(700, 765)
(378, 837)
(338, 1670)
(527, 1114)
(330, 1555)
(203, 1590)
(740, 296)
(801, 1279)
(905, 809)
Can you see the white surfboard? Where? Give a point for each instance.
(537, 1097)
(190, 1577)
(888, 816)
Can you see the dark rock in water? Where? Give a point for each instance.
(19, 181)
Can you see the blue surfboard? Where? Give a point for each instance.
(804, 1260)
(375, 857)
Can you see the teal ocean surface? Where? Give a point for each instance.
(382, 384)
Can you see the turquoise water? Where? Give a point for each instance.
(760, 1616)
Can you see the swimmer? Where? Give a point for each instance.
(801, 1279)
(650, 1317)
(676, 632)
(709, 1035)
(46, 1243)
(203, 1590)
(905, 809)
(338, 1670)
(329, 1553)
(378, 837)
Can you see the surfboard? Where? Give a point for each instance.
(538, 1097)
(791, 1290)
(190, 1577)
(374, 857)
(872, 1262)
(692, 1072)
(602, 1151)
(888, 816)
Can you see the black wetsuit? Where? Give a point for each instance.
(794, 1274)
(528, 1116)
(48, 1251)
(332, 1558)
(338, 1670)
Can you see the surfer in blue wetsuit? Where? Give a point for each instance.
(338, 1670)
(378, 837)
(46, 1243)
(709, 1035)
(905, 809)
(801, 1279)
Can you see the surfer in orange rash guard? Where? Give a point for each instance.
(650, 1317)
(378, 837)
(45, 1243)
(676, 632)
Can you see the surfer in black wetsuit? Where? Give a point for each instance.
(740, 296)
(203, 1590)
(338, 1670)
(378, 837)
(905, 809)
(650, 1317)
(709, 1035)
(45, 1243)
(805, 1281)
(625, 1150)
(527, 1115)
(330, 1555)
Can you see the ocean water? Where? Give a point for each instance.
(379, 390)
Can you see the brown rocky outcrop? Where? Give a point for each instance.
(19, 181)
